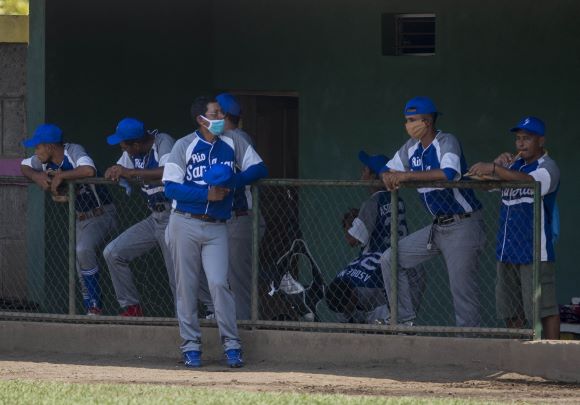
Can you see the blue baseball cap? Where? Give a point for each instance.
(373, 162)
(127, 129)
(420, 105)
(229, 104)
(531, 124)
(45, 133)
(218, 175)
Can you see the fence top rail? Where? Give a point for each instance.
(473, 184)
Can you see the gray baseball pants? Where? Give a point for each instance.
(134, 242)
(194, 243)
(240, 262)
(90, 234)
(460, 244)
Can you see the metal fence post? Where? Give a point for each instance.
(537, 288)
(394, 292)
(255, 249)
(72, 257)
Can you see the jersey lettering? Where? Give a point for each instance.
(416, 161)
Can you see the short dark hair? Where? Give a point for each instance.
(235, 119)
(199, 107)
(434, 117)
(338, 295)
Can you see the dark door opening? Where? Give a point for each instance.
(272, 121)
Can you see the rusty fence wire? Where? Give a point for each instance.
(318, 259)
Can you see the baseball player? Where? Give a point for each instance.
(239, 225)
(457, 228)
(54, 162)
(357, 293)
(144, 155)
(514, 252)
(197, 233)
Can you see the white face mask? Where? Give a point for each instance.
(216, 127)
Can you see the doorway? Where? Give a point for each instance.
(271, 119)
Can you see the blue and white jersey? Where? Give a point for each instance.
(88, 196)
(242, 195)
(372, 226)
(515, 239)
(156, 157)
(192, 156)
(364, 271)
(443, 153)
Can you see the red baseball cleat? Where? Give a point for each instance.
(133, 310)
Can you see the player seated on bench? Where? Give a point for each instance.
(358, 291)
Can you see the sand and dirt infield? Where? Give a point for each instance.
(393, 380)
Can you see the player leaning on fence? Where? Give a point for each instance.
(199, 178)
(457, 228)
(515, 241)
(143, 158)
(54, 162)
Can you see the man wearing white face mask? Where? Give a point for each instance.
(199, 177)
(457, 228)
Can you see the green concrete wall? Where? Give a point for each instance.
(495, 62)
(107, 60)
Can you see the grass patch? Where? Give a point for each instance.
(33, 392)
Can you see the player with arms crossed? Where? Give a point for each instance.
(457, 228)
(54, 162)
(197, 233)
(515, 239)
(144, 155)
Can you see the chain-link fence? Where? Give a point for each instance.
(325, 258)
(321, 259)
(73, 259)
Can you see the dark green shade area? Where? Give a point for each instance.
(495, 62)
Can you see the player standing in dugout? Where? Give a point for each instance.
(144, 155)
(515, 240)
(199, 178)
(457, 229)
(239, 225)
(54, 162)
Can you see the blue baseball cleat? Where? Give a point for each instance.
(234, 358)
(192, 359)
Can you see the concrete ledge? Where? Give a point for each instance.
(548, 359)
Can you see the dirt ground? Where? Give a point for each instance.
(384, 380)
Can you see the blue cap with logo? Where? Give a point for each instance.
(531, 124)
(127, 129)
(229, 104)
(373, 162)
(420, 105)
(218, 175)
(45, 133)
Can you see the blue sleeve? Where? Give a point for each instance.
(450, 173)
(250, 175)
(384, 169)
(184, 193)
